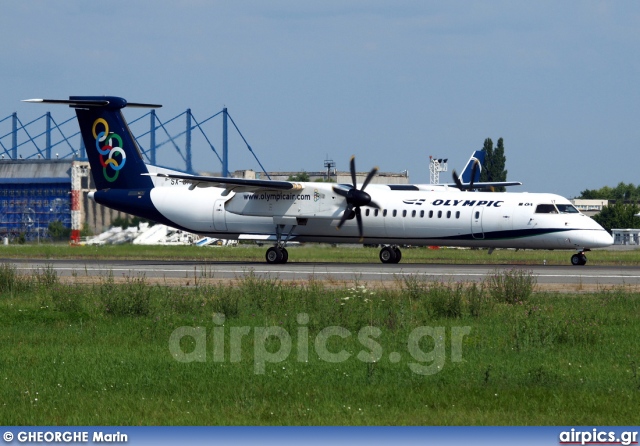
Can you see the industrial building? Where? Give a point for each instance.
(589, 207)
(36, 193)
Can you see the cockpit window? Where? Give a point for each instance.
(546, 209)
(567, 209)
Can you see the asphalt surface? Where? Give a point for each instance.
(555, 275)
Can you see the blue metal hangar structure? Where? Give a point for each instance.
(36, 193)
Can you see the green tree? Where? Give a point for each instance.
(494, 163)
(485, 175)
(498, 165)
(57, 231)
(618, 215)
(86, 230)
(302, 177)
(624, 192)
(604, 193)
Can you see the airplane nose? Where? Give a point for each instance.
(602, 239)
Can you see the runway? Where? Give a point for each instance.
(155, 271)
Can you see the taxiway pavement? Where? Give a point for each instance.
(569, 276)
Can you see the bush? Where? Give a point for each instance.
(226, 300)
(11, 281)
(445, 301)
(131, 299)
(7, 277)
(46, 277)
(57, 231)
(510, 286)
(439, 299)
(66, 298)
(478, 300)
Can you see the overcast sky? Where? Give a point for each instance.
(390, 82)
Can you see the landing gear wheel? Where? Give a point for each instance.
(285, 255)
(388, 255)
(398, 254)
(579, 259)
(275, 255)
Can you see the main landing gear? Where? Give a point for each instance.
(579, 259)
(278, 253)
(390, 254)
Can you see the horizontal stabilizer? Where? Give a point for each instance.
(93, 101)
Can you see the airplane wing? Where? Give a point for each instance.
(236, 184)
(482, 185)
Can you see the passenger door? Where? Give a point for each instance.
(476, 223)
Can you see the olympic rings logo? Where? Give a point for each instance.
(109, 148)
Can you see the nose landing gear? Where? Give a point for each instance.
(579, 259)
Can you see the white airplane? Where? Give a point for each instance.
(286, 211)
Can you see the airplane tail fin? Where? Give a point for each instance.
(115, 159)
(476, 157)
(114, 155)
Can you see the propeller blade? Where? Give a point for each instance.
(374, 205)
(340, 191)
(355, 197)
(345, 215)
(369, 176)
(359, 220)
(474, 169)
(456, 180)
(352, 166)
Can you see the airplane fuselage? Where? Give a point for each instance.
(442, 216)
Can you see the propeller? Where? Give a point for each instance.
(469, 186)
(356, 197)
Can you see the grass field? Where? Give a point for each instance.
(314, 253)
(445, 354)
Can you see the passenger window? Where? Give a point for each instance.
(477, 215)
(546, 209)
(439, 214)
(430, 214)
(395, 212)
(366, 213)
(404, 213)
(448, 214)
(413, 213)
(457, 214)
(384, 213)
(375, 213)
(421, 214)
